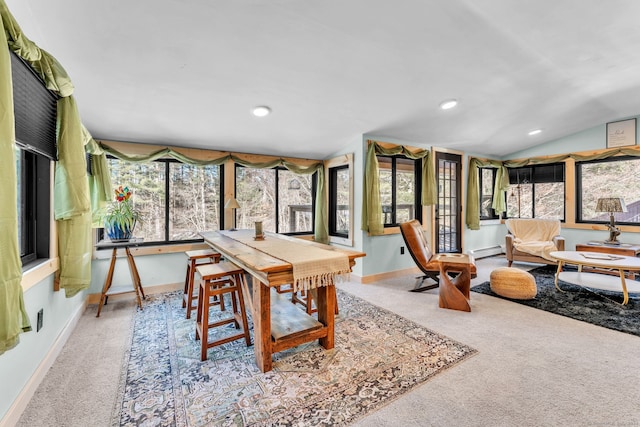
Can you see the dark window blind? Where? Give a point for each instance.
(35, 109)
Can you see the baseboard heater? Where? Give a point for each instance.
(486, 252)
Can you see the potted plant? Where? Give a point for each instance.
(120, 217)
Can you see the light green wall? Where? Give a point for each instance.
(19, 364)
(586, 140)
(154, 270)
(383, 252)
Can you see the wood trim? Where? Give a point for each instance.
(229, 192)
(153, 250)
(389, 275)
(38, 273)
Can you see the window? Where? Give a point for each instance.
(400, 189)
(536, 192)
(176, 200)
(35, 110)
(282, 200)
(487, 184)
(339, 196)
(613, 177)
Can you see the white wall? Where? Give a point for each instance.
(588, 139)
(161, 269)
(18, 365)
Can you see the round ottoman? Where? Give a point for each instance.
(513, 283)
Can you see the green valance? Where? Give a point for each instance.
(502, 177)
(72, 201)
(321, 221)
(371, 205)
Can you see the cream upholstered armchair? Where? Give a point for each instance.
(531, 240)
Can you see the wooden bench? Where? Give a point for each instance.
(290, 326)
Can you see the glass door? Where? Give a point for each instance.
(448, 218)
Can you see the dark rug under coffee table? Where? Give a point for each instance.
(602, 308)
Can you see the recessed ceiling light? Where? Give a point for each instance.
(448, 104)
(261, 111)
(535, 132)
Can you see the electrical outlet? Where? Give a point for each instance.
(40, 319)
(401, 250)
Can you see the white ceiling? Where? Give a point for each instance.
(187, 73)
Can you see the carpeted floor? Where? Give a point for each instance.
(378, 357)
(599, 307)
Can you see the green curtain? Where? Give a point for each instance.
(99, 179)
(321, 222)
(371, 205)
(472, 211)
(13, 317)
(72, 205)
(502, 177)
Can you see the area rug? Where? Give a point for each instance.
(378, 356)
(602, 308)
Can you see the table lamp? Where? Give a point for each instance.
(232, 203)
(611, 205)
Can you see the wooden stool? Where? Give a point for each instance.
(194, 258)
(217, 280)
(304, 298)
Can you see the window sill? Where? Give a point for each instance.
(36, 271)
(491, 221)
(153, 250)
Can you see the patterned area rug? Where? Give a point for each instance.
(599, 307)
(378, 356)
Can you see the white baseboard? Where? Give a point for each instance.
(389, 275)
(486, 252)
(12, 416)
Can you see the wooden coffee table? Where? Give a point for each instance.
(625, 249)
(618, 263)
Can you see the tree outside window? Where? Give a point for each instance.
(281, 199)
(399, 189)
(487, 184)
(613, 177)
(176, 200)
(536, 192)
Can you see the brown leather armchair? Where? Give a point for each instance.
(426, 260)
(531, 240)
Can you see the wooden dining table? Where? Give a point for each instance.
(278, 324)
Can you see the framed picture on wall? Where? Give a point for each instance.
(621, 134)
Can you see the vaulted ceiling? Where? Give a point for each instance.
(188, 73)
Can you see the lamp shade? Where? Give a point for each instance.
(611, 204)
(232, 203)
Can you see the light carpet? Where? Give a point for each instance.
(378, 356)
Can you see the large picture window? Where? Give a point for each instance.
(537, 192)
(35, 111)
(281, 199)
(400, 189)
(612, 177)
(176, 200)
